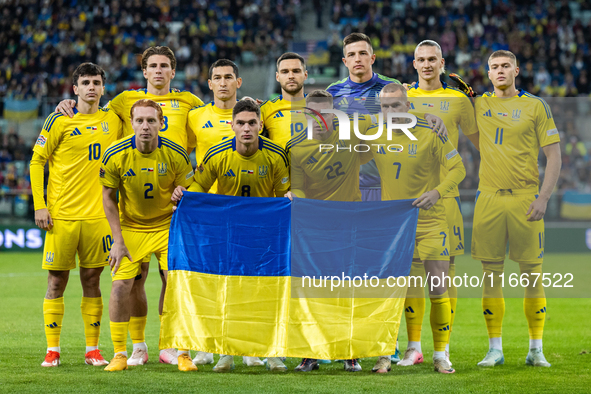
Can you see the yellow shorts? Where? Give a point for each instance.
(90, 238)
(500, 216)
(432, 240)
(455, 224)
(142, 244)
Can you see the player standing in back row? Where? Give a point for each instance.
(74, 218)
(513, 125)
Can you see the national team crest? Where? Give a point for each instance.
(174, 104)
(105, 127)
(444, 106)
(516, 114)
(263, 171)
(412, 149)
(162, 169)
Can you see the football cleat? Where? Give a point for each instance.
(411, 357)
(225, 364)
(447, 357)
(252, 361)
(307, 365)
(536, 358)
(138, 357)
(95, 358)
(395, 358)
(274, 364)
(118, 363)
(168, 356)
(186, 364)
(202, 358)
(383, 365)
(352, 365)
(493, 357)
(52, 359)
(442, 366)
(324, 361)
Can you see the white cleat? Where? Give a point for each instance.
(202, 358)
(225, 364)
(443, 366)
(447, 357)
(411, 357)
(252, 361)
(169, 356)
(536, 358)
(274, 364)
(138, 357)
(493, 357)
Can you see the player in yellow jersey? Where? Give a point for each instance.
(513, 125)
(144, 168)
(281, 116)
(247, 165)
(432, 96)
(412, 169)
(73, 217)
(159, 66)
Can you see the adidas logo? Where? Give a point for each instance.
(488, 114)
(381, 150)
(412, 106)
(52, 325)
(97, 324)
(460, 246)
(230, 173)
(129, 173)
(446, 328)
(278, 115)
(543, 310)
(487, 312)
(207, 125)
(541, 255)
(444, 253)
(312, 160)
(409, 310)
(76, 132)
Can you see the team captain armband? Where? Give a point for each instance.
(552, 132)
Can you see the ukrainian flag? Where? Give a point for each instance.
(257, 276)
(575, 205)
(19, 110)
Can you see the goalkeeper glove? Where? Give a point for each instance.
(462, 85)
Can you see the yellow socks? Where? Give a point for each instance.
(53, 315)
(414, 305)
(137, 329)
(119, 336)
(440, 320)
(493, 303)
(92, 311)
(534, 303)
(453, 294)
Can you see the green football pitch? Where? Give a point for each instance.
(567, 346)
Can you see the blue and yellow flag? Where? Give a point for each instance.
(266, 277)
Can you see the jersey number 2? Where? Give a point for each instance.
(150, 187)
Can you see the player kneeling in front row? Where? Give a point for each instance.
(74, 218)
(145, 168)
(415, 173)
(247, 165)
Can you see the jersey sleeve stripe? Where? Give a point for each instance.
(53, 121)
(48, 120)
(214, 149)
(294, 141)
(179, 151)
(117, 146)
(108, 155)
(279, 152)
(212, 154)
(164, 139)
(546, 108)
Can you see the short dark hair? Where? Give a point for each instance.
(291, 55)
(87, 70)
(319, 96)
(503, 53)
(158, 50)
(356, 37)
(246, 105)
(223, 63)
(394, 87)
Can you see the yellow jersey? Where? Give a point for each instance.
(328, 169)
(452, 106)
(74, 147)
(283, 119)
(175, 106)
(145, 181)
(512, 130)
(264, 174)
(416, 168)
